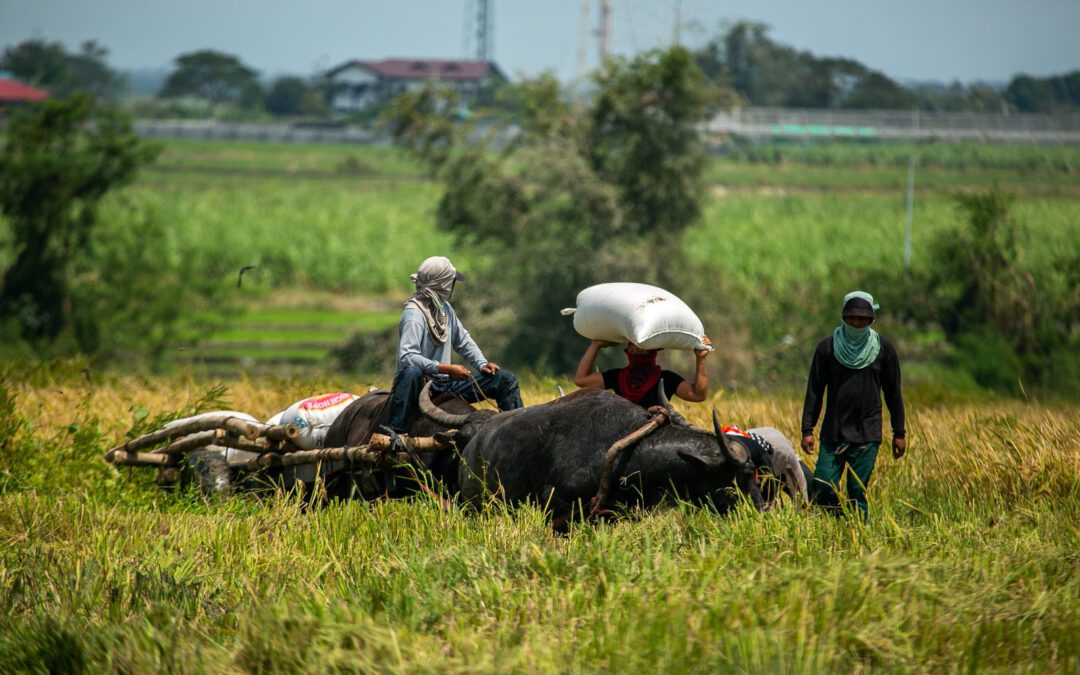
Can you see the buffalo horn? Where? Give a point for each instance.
(722, 439)
(663, 395)
(437, 414)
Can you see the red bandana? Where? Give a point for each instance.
(639, 376)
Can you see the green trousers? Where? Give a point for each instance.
(857, 461)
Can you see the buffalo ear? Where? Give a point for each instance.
(707, 462)
(736, 452)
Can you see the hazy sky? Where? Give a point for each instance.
(906, 39)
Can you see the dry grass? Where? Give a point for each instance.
(969, 560)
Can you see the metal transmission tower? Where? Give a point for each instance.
(603, 33)
(479, 38)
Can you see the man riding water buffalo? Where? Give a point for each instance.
(428, 330)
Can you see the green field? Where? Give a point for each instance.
(775, 233)
(969, 562)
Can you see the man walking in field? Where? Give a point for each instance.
(428, 330)
(855, 365)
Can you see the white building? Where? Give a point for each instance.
(357, 84)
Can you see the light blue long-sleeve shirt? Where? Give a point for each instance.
(416, 347)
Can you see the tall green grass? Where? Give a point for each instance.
(775, 243)
(301, 159)
(969, 561)
(339, 236)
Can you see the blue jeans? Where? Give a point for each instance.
(859, 461)
(404, 397)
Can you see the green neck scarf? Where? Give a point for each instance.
(856, 348)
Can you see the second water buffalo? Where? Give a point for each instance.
(553, 455)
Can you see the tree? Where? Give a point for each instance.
(286, 96)
(1004, 319)
(644, 139)
(59, 161)
(214, 77)
(766, 73)
(42, 64)
(49, 66)
(875, 90)
(579, 197)
(90, 74)
(1044, 94)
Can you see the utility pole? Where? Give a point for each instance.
(910, 212)
(908, 222)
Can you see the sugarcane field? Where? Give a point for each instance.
(748, 347)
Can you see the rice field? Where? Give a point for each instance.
(969, 561)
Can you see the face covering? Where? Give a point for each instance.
(639, 376)
(434, 285)
(856, 347)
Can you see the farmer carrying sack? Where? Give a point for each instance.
(650, 317)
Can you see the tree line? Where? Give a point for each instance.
(215, 79)
(743, 62)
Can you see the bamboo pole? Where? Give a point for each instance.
(425, 443)
(270, 454)
(235, 425)
(281, 432)
(130, 458)
(192, 442)
(364, 454)
(259, 445)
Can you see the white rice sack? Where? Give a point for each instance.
(276, 419)
(650, 317)
(314, 415)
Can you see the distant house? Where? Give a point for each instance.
(14, 94)
(357, 84)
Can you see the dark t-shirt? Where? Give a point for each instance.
(853, 397)
(670, 380)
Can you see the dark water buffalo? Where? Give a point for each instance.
(552, 455)
(366, 416)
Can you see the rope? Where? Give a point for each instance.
(481, 397)
(660, 417)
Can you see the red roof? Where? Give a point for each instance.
(12, 91)
(426, 69)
